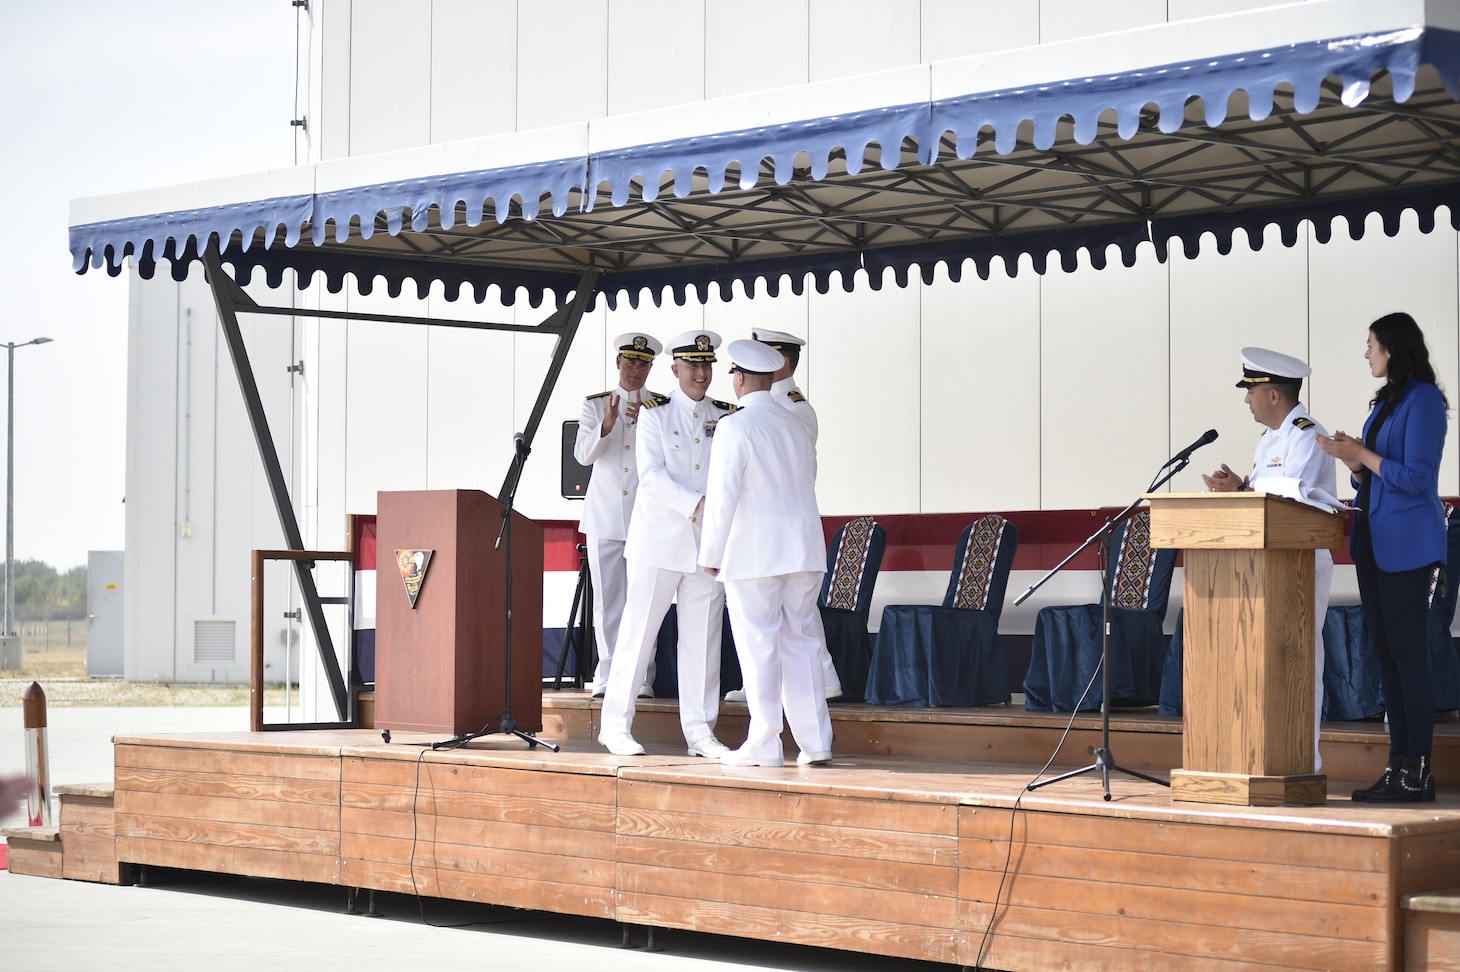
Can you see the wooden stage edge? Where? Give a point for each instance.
(912, 842)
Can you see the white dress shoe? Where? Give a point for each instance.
(621, 744)
(735, 695)
(833, 691)
(596, 689)
(646, 691)
(739, 757)
(813, 759)
(709, 747)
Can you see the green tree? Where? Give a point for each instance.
(41, 592)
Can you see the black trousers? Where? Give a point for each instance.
(1396, 610)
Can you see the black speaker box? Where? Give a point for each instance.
(575, 475)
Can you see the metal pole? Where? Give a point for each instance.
(10, 482)
(10, 493)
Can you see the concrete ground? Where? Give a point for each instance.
(186, 920)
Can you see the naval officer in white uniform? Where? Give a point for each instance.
(763, 538)
(662, 551)
(786, 393)
(783, 381)
(1287, 449)
(605, 441)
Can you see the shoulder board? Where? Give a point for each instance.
(1304, 423)
(599, 395)
(726, 406)
(654, 399)
(795, 396)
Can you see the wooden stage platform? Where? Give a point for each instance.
(919, 840)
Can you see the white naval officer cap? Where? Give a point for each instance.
(637, 345)
(753, 357)
(777, 339)
(694, 346)
(1261, 366)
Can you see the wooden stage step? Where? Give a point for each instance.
(88, 834)
(887, 851)
(82, 848)
(1432, 931)
(33, 850)
(1141, 739)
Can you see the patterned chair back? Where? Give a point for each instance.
(981, 564)
(852, 560)
(1141, 575)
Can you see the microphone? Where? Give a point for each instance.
(519, 442)
(1207, 437)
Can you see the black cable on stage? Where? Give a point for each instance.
(1014, 815)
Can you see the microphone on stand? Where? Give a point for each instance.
(1209, 436)
(519, 442)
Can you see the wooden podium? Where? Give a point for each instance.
(1248, 683)
(440, 666)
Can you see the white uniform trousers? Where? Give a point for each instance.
(1322, 586)
(609, 570)
(701, 614)
(778, 636)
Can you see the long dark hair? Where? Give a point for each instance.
(1409, 358)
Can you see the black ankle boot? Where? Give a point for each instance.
(1391, 773)
(1414, 784)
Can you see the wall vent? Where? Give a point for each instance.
(213, 642)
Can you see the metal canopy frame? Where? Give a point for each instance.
(232, 301)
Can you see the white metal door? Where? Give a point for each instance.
(104, 613)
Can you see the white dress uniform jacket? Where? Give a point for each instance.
(1291, 451)
(764, 521)
(607, 511)
(674, 466)
(789, 396)
(615, 480)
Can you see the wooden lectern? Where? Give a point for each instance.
(1248, 685)
(440, 666)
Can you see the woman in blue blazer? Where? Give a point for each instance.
(1398, 538)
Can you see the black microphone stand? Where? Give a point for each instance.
(505, 723)
(1105, 536)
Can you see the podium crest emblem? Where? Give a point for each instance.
(413, 564)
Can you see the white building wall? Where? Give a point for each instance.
(1054, 391)
(198, 500)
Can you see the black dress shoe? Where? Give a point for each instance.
(1391, 773)
(1414, 784)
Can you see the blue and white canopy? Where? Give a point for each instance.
(1270, 117)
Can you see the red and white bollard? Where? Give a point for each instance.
(37, 757)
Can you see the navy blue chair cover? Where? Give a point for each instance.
(1350, 667)
(852, 563)
(1067, 638)
(1174, 670)
(666, 657)
(950, 654)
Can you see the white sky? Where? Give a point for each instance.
(96, 97)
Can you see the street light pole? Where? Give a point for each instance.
(10, 483)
